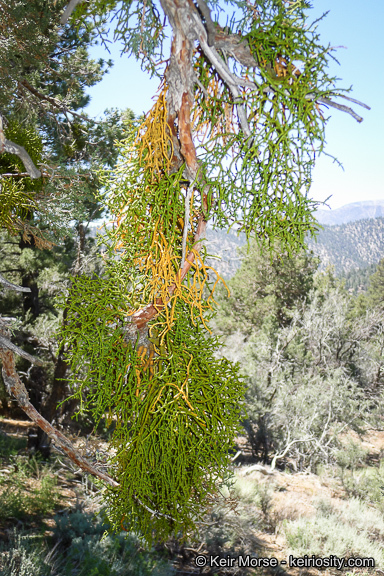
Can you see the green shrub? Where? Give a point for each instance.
(23, 556)
(79, 549)
(28, 490)
(89, 551)
(367, 484)
(10, 446)
(353, 530)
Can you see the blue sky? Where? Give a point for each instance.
(355, 24)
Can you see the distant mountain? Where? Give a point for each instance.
(351, 212)
(221, 247)
(358, 244)
(349, 246)
(352, 238)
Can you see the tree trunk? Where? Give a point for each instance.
(59, 388)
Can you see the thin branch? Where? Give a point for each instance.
(355, 101)
(12, 286)
(21, 152)
(15, 175)
(230, 79)
(186, 224)
(5, 343)
(208, 22)
(12, 148)
(202, 87)
(239, 48)
(340, 107)
(286, 449)
(232, 82)
(16, 388)
(56, 103)
(68, 11)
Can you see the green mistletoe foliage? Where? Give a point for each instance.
(175, 414)
(175, 407)
(261, 181)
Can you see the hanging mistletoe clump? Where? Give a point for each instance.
(216, 144)
(175, 407)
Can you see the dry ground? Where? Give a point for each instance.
(293, 496)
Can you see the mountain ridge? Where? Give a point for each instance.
(365, 209)
(354, 245)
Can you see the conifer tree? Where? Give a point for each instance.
(376, 286)
(232, 136)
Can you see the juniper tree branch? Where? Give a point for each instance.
(355, 101)
(54, 102)
(187, 26)
(20, 151)
(341, 107)
(239, 48)
(289, 444)
(5, 343)
(12, 286)
(15, 175)
(16, 388)
(210, 27)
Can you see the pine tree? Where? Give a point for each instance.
(376, 286)
(265, 286)
(45, 72)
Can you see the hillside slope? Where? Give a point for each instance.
(223, 246)
(347, 247)
(352, 245)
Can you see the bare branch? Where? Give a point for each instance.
(15, 175)
(12, 148)
(12, 286)
(240, 50)
(355, 101)
(237, 46)
(232, 81)
(21, 152)
(208, 22)
(68, 11)
(287, 448)
(341, 107)
(266, 471)
(16, 388)
(5, 343)
(56, 103)
(186, 224)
